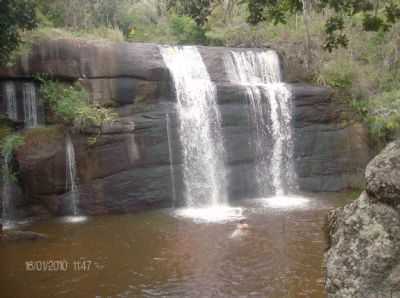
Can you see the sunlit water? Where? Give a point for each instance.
(160, 254)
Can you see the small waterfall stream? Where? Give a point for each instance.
(30, 104)
(71, 178)
(171, 158)
(199, 127)
(270, 106)
(7, 206)
(11, 100)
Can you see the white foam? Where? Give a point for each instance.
(218, 214)
(73, 219)
(284, 202)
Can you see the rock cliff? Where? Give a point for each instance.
(128, 167)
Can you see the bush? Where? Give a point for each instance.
(186, 30)
(383, 115)
(70, 103)
(9, 144)
(337, 74)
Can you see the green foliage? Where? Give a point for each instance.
(15, 16)
(5, 128)
(198, 10)
(83, 14)
(337, 74)
(11, 143)
(70, 103)
(373, 17)
(186, 30)
(274, 11)
(383, 116)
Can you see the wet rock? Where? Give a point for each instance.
(22, 236)
(364, 255)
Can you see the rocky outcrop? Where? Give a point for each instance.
(383, 176)
(127, 168)
(364, 257)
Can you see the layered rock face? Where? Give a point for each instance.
(128, 167)
(364, 257)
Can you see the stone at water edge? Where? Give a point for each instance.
(22, 235)
(383, 175)
(364, 255)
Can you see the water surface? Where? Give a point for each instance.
(160, 254)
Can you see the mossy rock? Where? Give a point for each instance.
(37, 139)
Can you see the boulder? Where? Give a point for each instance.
(364, 255)
(383, 175)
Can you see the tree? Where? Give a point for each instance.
(198, 10)
(377, 15)
(15, 15)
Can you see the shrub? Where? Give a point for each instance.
(10, 143)
(383, 115)
(337, 74)
(186, 30)
(70, 103)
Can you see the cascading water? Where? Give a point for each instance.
(270, 105)
(171, 158)
(201, 138)
(71, 178)
(7, 208)
(11, 100)
(30, 104)
(199, 127)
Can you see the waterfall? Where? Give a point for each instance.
(199, 127)
(11, 100)
(270, 108)
(171, 158)
(7, 207)
(30, 104)
(71, 178)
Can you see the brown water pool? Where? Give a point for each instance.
(157, 254)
